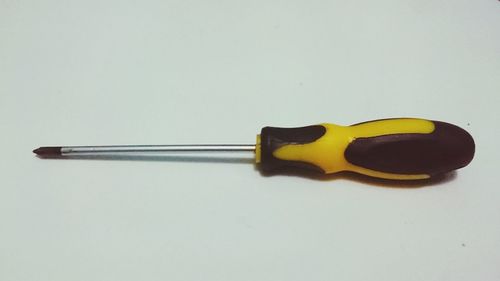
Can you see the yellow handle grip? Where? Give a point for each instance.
(403, 149)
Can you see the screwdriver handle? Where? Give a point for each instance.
(401, 149)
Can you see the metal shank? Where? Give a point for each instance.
(88, 150)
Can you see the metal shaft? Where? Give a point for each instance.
(97, 150)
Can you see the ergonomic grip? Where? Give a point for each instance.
(403, 148)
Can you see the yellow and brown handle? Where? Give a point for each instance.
(402, 149)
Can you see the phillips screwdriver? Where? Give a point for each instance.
(398, 149)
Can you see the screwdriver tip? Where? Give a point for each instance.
(48, 151)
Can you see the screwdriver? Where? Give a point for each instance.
(397, 149)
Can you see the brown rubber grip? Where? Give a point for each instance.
(447, 148)
(273, 138)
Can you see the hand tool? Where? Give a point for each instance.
(399, 148)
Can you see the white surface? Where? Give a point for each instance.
(116, 72)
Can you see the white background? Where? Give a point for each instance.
(118, 72)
